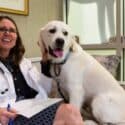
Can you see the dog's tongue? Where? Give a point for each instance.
(58, 53)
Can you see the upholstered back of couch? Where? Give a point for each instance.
(111, 63)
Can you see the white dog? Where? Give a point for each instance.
(82, 77)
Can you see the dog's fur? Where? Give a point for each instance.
(82, 76)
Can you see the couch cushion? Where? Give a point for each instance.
(110, 62)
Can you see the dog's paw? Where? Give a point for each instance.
(90, 122)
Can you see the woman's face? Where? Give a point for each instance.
(8, 35)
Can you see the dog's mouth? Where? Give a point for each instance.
(56, 52)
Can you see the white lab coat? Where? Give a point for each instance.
(33, 78)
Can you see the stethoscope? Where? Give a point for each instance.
(1, 70)
(6, 89)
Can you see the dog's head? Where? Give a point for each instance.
(55, 40)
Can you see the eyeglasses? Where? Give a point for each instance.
(4, 30)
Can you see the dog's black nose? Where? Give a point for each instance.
(59, 42)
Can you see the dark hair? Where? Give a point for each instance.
(17, 52)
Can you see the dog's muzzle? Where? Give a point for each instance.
(57, 51)
(59, 43)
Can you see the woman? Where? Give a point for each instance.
(20, 80)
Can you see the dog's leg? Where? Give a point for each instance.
(107, 108)
(90, 122)
(76, 96)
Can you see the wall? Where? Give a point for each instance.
(40, 12)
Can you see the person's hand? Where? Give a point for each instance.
(5, 115)
(67, 114)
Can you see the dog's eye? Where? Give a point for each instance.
(65, 33)
(52, 30)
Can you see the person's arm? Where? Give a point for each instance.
(67, 114)
(5, 115)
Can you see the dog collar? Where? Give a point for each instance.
(57, 66)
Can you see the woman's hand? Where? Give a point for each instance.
(67, 114)
(5, 115)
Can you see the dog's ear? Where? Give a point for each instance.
(42, 46)
(74, 44)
